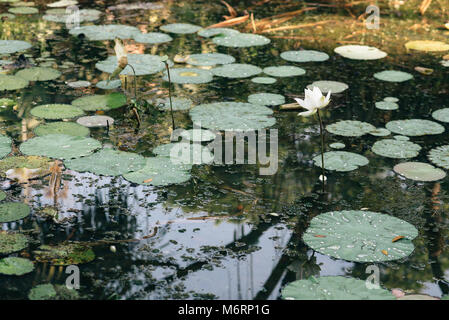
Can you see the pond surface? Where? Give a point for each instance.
(228, 232)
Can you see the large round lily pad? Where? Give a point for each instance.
(427, 45)
(419, 171)
(60, 146)
(12, 242)
(440, 156)
(101, 102)
(358, 52)
(241, 40)
(188, 75)
(42, 292)
(95, 121)
(209, 59)
(5, 146)
(266, 99)
(12, 82)
(333, 288)
(304, 56)
(341, 161)
(152, 37)
(38, 74)
(231, 116)
(397, 149)
(107, 162)
(328, 85)
(143, 64)
(350, 128)
(361, 236)
(284, 71)
(56, 111)
(180, 28)
(15, 266)
(64, 254)
(236, 70)
(62, 127)
(441, 115)
(414, 127)
(393, 76)
(11, 46)
(13, 211)
(185, 153)
(106, 32)
(177, 104)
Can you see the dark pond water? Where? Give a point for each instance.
(249, 246)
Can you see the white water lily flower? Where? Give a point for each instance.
(313, 100)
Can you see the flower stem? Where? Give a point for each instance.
(169, 95)
(322, 147)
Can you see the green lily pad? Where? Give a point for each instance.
(380, 132)
(23, 10)
(440, 156)
(337, 145)
(397, 149)
(12, 242)
(419, 171)
(62, 3)
(101, 102)
(427, 45)
(263, 80)
(357, 52)
(160, 171)
(333, 288)
(266, 99)
(152, 37)
(106, 32)
(350, 128)
(177, 104)
(2, 195)
(327, 85)
(62, 127)
(391, 99)
(95, 121)
(40, 166)
(284, 71)
(402, 138)
(361, 236)
(414, 127)
(62, 16)
(12, 83)
(188, 75)
(38, 74)
(107, 162)
(212, 32)
(232, 116)
(56, 111)
(236, 70)
(198, 135)
(143, 64)
(42, 292)
(5, 146)
(386, 105)
(109, 85)
(304, 56)
(185, 153)
(209, 59)
(16, 266)
(393, 76)
(241, 40)
(180, 28)
(12, 46)
(64, 254)
(60, 146)
(79, 84)
(341, 161)
(13, 211)
(441, 115)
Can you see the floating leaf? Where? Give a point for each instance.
(440, 156)
(143, 64)
(62, 127)
(360, 236)
(341, 161)
(62, 3)
(12, 46)
(241, 40)
(304, 56)
(23, 10)
(419, 171)
(380, 132)
(212, 32)
(5, 146)
(109, 85)
(386, 105)
(350, 128)
(12, 82)
(106, 32)
(337, 145)
(152, 37)
(263, 80)
(38, 74)
(427, 45)
(393, 76)
(95, 121)
(13, 211)
(16, 266)
(180, 28)
(101, 102)
(397, 149)
(12, 242)
(79, 84)
(284, 71)
(188, 75)
(64, 254)
(56, 111)
(2, 195)
(414, 127)
(326, 86)
(209, 59)
(177, 104)
(42, 292)
(441, 115)
(266, 99)
(236, 70)
(64, 16)
(391, 99)
(357, 52)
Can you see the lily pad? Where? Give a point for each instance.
(152, 37)
(62, 127)
(5, 146)
(188, 75)
(212, 32)
(23, 10)
(337, 145)
(16, 266)
(284, 71)
(350, 128)
(143, 64)
(95, 121)
(2, 195)
(380, 132)
(7, 16)
(64, 254)
(397, 149)
(358, 52)
(62, 3)
(101, 102)
(107, 162)
(42, 292)
(341, 161)
(361, 236)
(38, 74)
(266, 99)
(109, 85)
(62, 16)
(333, 288)
(184, 153)
(414, 127)
(60, 146)
(12, 242)
(386, 105)
(327, 85)
(12, 46)
(441, 115)
(106, 32)
(180, 28)
(304, 56)
(236, 70)
(12, 82)
(241, 40)
(13, 211)
(198, 135)
(209, 59)
(263, 80)
(401, 138)
(419, 171)
(427, 45)
(391, 99)
(177, 104)
(232, 116)
(440, 156)
(393, 76)
(56, 111)
(39, 166)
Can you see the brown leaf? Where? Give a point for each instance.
(148, 180)
(385, 252)
(425, 71)
(424, 5)
(231, 10)
(397, 238)
(319, 236)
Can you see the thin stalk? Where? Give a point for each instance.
(136, 112)
(322, 147)
(169, 95)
